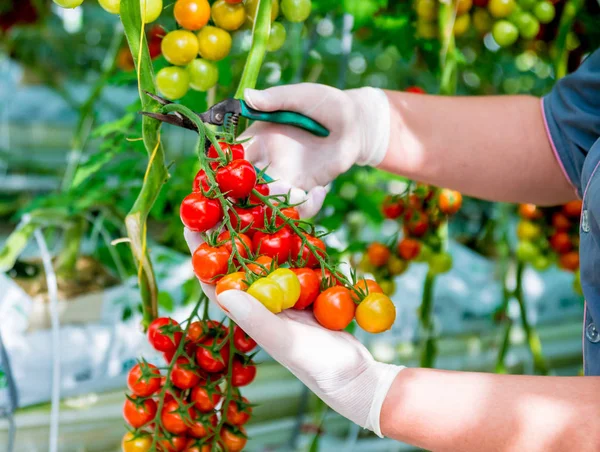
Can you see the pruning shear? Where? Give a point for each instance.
(229, 111)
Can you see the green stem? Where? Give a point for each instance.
(156, 172)
(429, 348)
(258, 49)
(67, 258)
(567, 19)
(500, 364)
(448, 56)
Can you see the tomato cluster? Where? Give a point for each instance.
(255, 241)
(421, 213)
(187, 408)
(549, 235)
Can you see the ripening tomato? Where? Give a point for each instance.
(572, 209)
(396, 266)
(203, 74)
(440, 263)
(68, 3)
(242, 374)
(560, 222)
(199, 213)
(230, 152)
(288, 212)
(214, 43)
(243, 244)
(334, 308)
(326, 279)
(202, 400)
(482, 21)
(277, 37)
(192, 14)
(269, 293)
(310, 286)
(366, 287)
(172, 419)
(210, 262)
(138, 414)
(501, 8)
(142, 442)
(241, 341)
(233, 281)
(141, 381)
(526, 230)
(289, 283)
(301, 251)
(174, 443)
(450, 201)
(231, 441)
(530, 211)
(179, 47)
(277, 245)
(262, 265)
(561, 242)
(296, 10)
(248, 220)
(409, 249)
(417, 224)
(184, 374)
(392, 208)
(173, 82)
(569, 261)
(378, 254)
(228, 16)
(463, 6)
(213, 355)
(238, 412)
(237, 179)
(461, 24)
(164, 334)
(195, 332)
(262, 189)
(376, 313)
(201, 427)
(201, 182)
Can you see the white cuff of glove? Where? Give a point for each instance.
(374, 118)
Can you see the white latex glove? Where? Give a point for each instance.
(333, 364)
(359, 122)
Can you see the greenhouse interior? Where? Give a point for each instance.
(299, 225)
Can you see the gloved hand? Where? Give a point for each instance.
(333, 364)
(359, 121)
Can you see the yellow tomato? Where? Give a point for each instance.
(179, 47)
(269, 293)
(214, 43)
(289, 283)
(461, 24)
(142, 443)
(227, 15)
(251, 6)
(376, 313)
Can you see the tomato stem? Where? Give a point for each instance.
(429, 347)
(448, 52)
(568, 16)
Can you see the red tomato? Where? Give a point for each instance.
(327, 280)
(301, 251)
(194, 446)
(418, 224)
(138, 415)
(334, 308)
(409, 249)
(262, 265)
(243, 243)
(210, 262)
(201, 182)
(231, 152)
(238, 413)
(560, 222)
(242, 374)
(277, 245)
(184, 374)
(201, 428)
(248, 219)
(141, 381)
(212, 360)
(392, 208)
(561, 242)
(378, 254)
(237, 179)
(233, 442)
(572, 209)
(199, 213)
(569, 261)
(310, 286)
(171, 418)
(450, 201)
(415, 90)
(203, 401)
(173, 444)
(164, 334)
(263, 189)
(289, 212)
(241, 341)
(195, 332)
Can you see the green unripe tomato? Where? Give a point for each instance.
(173, 82)
(527, 252)
(505, 33)
(527, 5)
(388, 286)
(541, 263)
(482, 21)
(440, 263)
(68, 3)
(296, 10)
(528, 25)
(501, 8)
(276, 37)
(424, 254)
(203, 74)
(427, 10)
(544, 11)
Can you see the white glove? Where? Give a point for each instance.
(333, 364)
(359, 122)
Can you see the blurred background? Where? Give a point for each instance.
(507, 298)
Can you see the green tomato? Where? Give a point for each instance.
(68, 3)
(528, 25)
(482, 21)
(203, 74)
(461, 24)
(289, 283)
(388, 286)
(505, 33)
(269, 293)
(527, 252)
(179, 47)
(544, 11)
(440, 263)
(424, 253)
(173, 82)
(501, 8)
(276, 37)
(296, 10)
(541, 263)
(527, 4)
(427, 10)
(396, 266)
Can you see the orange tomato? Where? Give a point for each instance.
(450, 201)
(334, 308)
(192, 14)
(572, 209)
(569, 261)
(260, 262)
(231, 441)
(530, 211)
(378, 254)
(233, 281)
(409, 249)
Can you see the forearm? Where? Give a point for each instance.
(493, 148)
(442, 410)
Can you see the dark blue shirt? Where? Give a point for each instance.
(572, 115)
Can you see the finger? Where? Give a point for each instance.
(313, 202)
(299, 97)
(193, 239)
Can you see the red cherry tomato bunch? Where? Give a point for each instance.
(421, 212)
(194, 403)
(256, 242)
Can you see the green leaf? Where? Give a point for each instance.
(15, 244)
(122, 125)
(94, 163)
(165, 301)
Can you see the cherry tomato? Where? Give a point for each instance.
(366, 287)
(482, 21)
(440, 263)
(179, 47)
(203, 74)
(241, 341)
(201, 428)
(164, 334)
(544, 11)
(334, 308)
(227, 15)
(214, 43)
(237, 179)
(501, 8)
(388, 286)
(183, 374)
(450, 201)
(248, 220)
(238, 412)
(213, 355)
(199, 213)
(192, 14)
(252, 5)
(301, 251)
(277, 37)
(194, 446)
(461, 24)
(326, 279)
(561, 242)
(463, 6)
(140, 380)
(569, 261)
(231, 441)
(269, 293)
(528, 25)
(296, 10)
(233, 281)
(409, 249)
(396, 266)
(290, 285)
(415, 90)
(153, 8)
(138, 415)
(172, 419)
(527, 251)
(378, 254)
(572, 209)
(310, 286)
(560, 222)
(376, 313)
(263, 189)
(277, 245)
(68, 3)
(195, 332)
(201, 182)
(526, 230)
(262, 265)
(417, 224)
(230, 152)
(392, 208)
(288, 212)
(173, 82)
(243, 244)
(203, 401)
(210, 262)
(505, 33)
(530, 211)
(173, 444)
(142, 442)
(242, 374)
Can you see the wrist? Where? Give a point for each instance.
(386, 375)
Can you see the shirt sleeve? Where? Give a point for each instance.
(572, 117)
